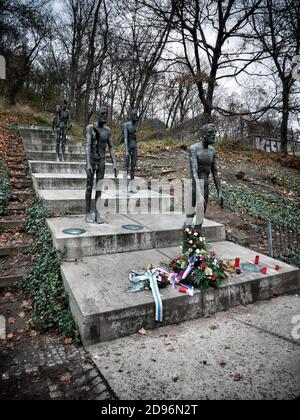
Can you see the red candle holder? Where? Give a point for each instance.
(237, 263)
(264, 270)
(277, 268)
(257, 260)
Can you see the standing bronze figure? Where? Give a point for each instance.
(130, 142)
(56, 120)
(203, 161)
(98, 137)
(62, 131)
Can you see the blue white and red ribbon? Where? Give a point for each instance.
(156, 296)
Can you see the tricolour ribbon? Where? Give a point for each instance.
(156, 296)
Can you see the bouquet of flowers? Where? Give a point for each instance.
(197, 266)
(193, 242)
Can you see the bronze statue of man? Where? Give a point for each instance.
(130, 142)
(62, 131)
(56, 120)
(98, 137)
(203, 161)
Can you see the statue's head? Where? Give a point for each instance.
(134, 115)
(209, 133)
(102, 114)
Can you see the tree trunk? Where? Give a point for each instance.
(285, 117)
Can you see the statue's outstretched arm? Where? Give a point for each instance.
(217, 180)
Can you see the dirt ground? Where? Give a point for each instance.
(254, 172)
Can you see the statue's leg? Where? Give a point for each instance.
(100, 173)
(88, 196)
(57, 144)
(126, 164)
(63, 144)
(201, 205)
(191, 207)
(133, 162)
(60, 145)
(206, 196)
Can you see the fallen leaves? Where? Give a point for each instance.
(8, 296)
(65, 378)
(237, 377)
(213, 327)
(27, 305)
(142, 332)
(68, 341)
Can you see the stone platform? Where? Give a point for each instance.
(104, 311)
(158, 231)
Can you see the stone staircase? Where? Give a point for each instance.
(97, 263)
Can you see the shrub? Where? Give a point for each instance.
(5, 187)
(44, 284)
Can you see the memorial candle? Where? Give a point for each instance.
(237, 263)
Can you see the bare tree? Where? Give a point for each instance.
(211, 33)
(143, 39)
(24, 27)
(277, 28)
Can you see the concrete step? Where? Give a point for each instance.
(42, 140)
(36, 136)
(51, 156)
(54, 167)
(104, 311)
(74, 148)
(35, 133)
(23, 129)
(10, 281)
(158, 231)
(66, 202)
(60, 181)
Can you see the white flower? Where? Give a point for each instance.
(196, 234)
(198, 251)
(191, 242)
